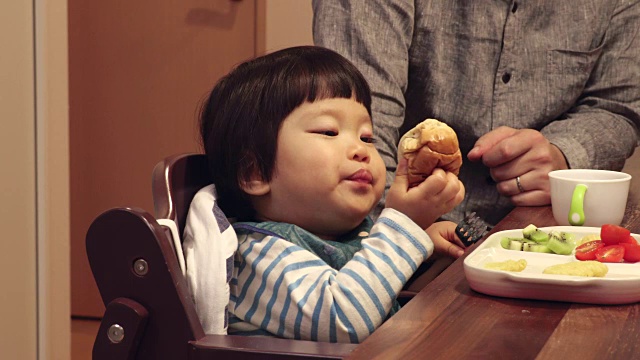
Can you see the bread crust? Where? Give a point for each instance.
(429, 145)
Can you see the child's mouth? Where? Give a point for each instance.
(361, 176)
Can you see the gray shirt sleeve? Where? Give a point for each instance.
(601, 129)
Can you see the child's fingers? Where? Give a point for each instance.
(455, 188)
(461, 192)
(439, 186)
(401, 174)
(401, 169)
(451, 249)
(434, 183)
(454, 251)
(446, 241)
(439, 173)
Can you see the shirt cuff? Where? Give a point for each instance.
(411, 227)
(575, 154)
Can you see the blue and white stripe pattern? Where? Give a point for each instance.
(288, 291)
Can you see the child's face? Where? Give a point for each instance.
(328, 174)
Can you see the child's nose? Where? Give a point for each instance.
(360, 152)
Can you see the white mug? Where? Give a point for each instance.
(586, 197)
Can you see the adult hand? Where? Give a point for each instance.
(438, 194)
(523, 154)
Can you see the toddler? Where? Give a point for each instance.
(289, 139)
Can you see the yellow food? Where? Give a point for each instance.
(508, 265)
(579, 268)
(587, 238)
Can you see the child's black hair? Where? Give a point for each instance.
(239, 122)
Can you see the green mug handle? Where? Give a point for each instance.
(576, 212)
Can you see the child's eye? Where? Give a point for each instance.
(327, 132)
(369, 139)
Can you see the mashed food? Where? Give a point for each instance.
(579, 268)
(587, 238)
(508, 265)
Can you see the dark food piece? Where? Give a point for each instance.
(471, 229)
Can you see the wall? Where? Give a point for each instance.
(34, 179)
(285, 23)
(137, 77)
(17, 156)
(52, 179)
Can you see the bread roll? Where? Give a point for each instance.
(431, 144)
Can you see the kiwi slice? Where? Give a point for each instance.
(569, 237)
(539, 248)
(511, 243)
(528, 230)
(527, 246)
(505, 242)
(532, 232)
(560, 242)
(515, 243)
(535, 247)
(539, 236)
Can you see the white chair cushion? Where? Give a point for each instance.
(209, 245)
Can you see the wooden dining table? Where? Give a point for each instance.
(449, 320)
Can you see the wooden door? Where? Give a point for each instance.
(138, 71)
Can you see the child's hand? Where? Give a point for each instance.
(436, 195)
(445, 240)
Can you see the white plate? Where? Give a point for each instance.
(621, 285)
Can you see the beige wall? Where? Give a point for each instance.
(34, 260)
(17, 179)
(286, 23)
(52, 185)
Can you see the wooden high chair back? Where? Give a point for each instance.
(175, 181)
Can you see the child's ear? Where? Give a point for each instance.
(254, 184)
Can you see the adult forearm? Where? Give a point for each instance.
(594, 139)
(602, 128)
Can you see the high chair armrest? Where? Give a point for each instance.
(261, 348)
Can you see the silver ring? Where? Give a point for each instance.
(519, 185)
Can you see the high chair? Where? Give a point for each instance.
(136, 262)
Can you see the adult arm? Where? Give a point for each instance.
(599, 130)
(602, 129)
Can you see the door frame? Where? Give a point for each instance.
(51, 102)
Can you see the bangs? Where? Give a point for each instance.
(319, 76)
(326, 83)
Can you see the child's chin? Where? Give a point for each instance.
(356, 219)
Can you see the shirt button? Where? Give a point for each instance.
(506, 77)
(515, 7)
